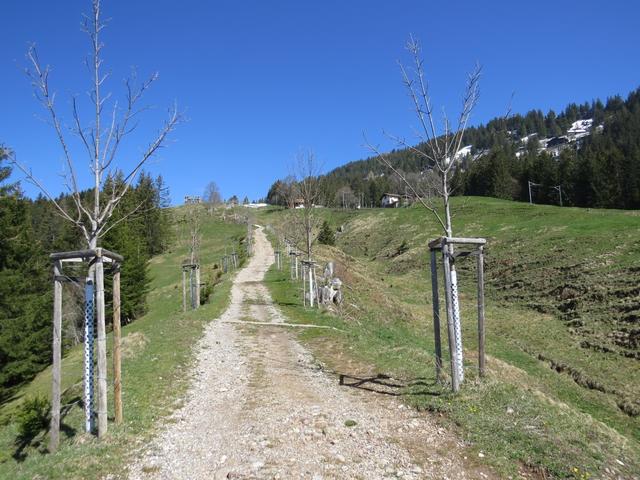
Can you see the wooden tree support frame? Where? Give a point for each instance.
(294, 265)
(193, 286)
(95, 258)
(445, 246)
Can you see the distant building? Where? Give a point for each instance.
(394, 200)
(191, 199)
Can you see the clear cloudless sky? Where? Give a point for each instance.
(260, 80)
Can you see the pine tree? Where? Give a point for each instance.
(326, 236)
(25, 332)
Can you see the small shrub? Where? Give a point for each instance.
(32, 418)
(402, 248)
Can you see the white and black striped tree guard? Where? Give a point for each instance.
(89, 319)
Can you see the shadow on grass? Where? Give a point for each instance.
(34, 438)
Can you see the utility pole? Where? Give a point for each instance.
(530, 183)
(559, 189)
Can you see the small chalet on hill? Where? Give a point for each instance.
(394, 200)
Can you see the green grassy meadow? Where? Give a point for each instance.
(156, 355)
(561, 396)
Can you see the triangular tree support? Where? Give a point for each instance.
(94, 301)
(454, 322)
(193, 285)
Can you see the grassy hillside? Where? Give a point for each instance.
(562, 394)
(156, 351)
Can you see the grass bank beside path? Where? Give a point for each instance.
(156, 359)
(529, 415)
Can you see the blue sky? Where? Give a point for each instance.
(261, 80)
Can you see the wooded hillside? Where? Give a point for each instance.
(602, 169)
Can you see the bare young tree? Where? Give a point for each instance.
(212, 196)
(346, 198)
(303, 197)
(437, 147)
(101, 138)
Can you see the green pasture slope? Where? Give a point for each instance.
(562, 397)
(156, 350)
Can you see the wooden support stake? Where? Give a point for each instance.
(102, 349)
(455, 379)
(192, 293)
(198, 286)
(184, 290)
(436, 313)
(56, 372)
(310, 273)
(481, 354)
(117, 358)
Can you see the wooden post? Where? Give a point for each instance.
(184, 290)
(117, 361)
(481, 355)
(197, 286)
(455, 381)
(192, 293)
(102, 347)
(310, 274)
(436, 313)
(56, 371)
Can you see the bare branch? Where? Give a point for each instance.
(103, 231)
(439, 149)
(417, 195)
(31, 178)
(169, 126)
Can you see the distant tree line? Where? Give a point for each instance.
(29, 231)
(602, 170)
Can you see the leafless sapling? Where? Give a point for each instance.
(101, 139)
(438, 145)
(304, 195)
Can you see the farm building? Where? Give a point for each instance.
(394, 200)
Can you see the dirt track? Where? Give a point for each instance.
(260, 407)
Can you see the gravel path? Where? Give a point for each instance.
(259, 407)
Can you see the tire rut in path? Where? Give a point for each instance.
(259, 407)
